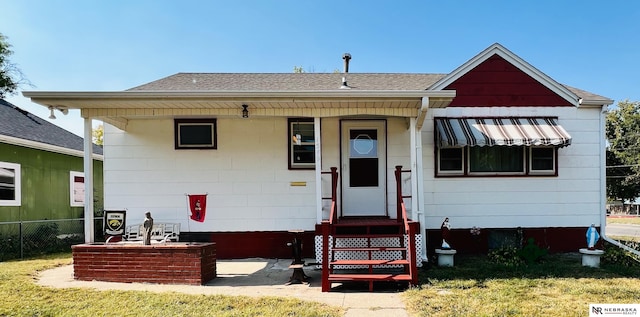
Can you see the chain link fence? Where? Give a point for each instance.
(22, 239)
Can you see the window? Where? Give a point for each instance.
(10, 185)
(195, 134)
(496, 161)
(451, 161)
(543, 160)
(76, 188)
(302, 148)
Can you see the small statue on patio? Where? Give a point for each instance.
(444, 228)
(148, 227)
(592, 237)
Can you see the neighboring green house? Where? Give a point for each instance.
(41, 169)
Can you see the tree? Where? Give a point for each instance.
(623, 154)
(10, 76)
(98, 135)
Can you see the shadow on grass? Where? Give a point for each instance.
(562, 265)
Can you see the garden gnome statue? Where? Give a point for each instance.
(444, 228)
(148, 226)
(592, 237)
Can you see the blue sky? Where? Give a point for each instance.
(112, 45)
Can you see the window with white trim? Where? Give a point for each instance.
(10, 184)
(76, 188)
(496, 161)
(542, 160)
(302, 146)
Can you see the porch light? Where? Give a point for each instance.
(64, 111)
(245, 111)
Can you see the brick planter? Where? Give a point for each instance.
(172, 263)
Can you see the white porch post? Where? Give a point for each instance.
(318, 153)
(88, 181)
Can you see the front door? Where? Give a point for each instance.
(363, 168)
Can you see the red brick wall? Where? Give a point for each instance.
(173, 263)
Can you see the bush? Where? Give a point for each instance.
(512, 256)
(619, 256)
(506, 256)
(9, 247)
(44, 239)
(531, 252)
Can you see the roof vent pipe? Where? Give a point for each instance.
(346, 57)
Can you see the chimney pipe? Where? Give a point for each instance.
(346, 57)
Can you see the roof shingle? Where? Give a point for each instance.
(18, 123)
(304, 82)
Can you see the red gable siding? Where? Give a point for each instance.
(496, 82)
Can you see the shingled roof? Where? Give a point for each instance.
(18, 123)
(289, 81)
(305, 82)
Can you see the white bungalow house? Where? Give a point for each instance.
(495, 144)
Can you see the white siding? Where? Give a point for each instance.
(398, 153)
(249, 183)
(570, 199)
(247, 177)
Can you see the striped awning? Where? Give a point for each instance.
(518, 131)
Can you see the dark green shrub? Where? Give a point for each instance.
(9, 247)
(531, 252)
(507, 256)
(618, 256)
(513, 256)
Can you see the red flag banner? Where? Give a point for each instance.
(198, 206)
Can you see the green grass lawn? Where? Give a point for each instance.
(558, 286)
(21, 296)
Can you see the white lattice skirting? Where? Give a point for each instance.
(363, 255)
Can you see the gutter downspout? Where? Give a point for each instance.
(418, 201)
(603, 187)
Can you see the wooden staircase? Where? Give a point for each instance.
(369, 249)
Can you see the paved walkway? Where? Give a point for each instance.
(257, 277)
(623, 229)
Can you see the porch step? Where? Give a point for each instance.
(369, 249)
(370, 277)
(367, 236)
(370, 262)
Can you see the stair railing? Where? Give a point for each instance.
(410, 227)
(333, 212)
(326, 228)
